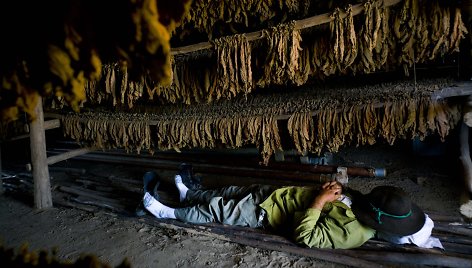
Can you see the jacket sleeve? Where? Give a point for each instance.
(335, 230)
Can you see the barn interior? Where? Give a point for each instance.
(274, 92)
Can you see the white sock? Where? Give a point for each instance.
(182, 188)
(157, 208)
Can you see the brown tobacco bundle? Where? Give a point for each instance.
(424, 30)
(380, 39)
(187, 84)
(331, 127)
(208, 15)
(205, 14)
(319, 119)
(323, 62)
(373, 43)
(301, 128)
(458, 31)
(117, 88)
(234, 132)
(404, 29)
(345, 40)
(282, 61)
(234, 74)
(105, 133)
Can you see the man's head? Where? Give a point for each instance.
(389, 209)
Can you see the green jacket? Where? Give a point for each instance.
(335, 226)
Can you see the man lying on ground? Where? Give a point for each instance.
(321, 217)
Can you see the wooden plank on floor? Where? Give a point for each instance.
(373, 254)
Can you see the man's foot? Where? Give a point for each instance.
(183, 189)
(188, 177)
(150, 184)
(157, 208)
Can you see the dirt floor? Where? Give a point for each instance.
(431, 179)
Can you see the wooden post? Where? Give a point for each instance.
(1, 180)
(466, 206)
(42, 185)
(467, 111)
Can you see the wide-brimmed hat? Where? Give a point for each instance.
(389, 209)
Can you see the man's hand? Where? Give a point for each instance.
(330, 191)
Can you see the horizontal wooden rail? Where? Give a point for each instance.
(67, 155)
(50, 124)
(64, 156)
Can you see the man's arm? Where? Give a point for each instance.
(329, 232)
(330, 191)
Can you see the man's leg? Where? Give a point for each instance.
(233, 205)
(243, 212)
(157, 208)
(260, 192)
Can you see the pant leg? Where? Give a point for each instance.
(241, 211)
(261, 192)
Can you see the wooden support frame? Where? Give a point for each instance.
(466, 162)
(40, 161)
(64, 156)
(67, 155)
(50, 124)
(1, 179)
(42, 184)
(460, 89)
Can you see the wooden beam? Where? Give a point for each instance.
(67, 155)
(461, 89)
(50, 124)
(251, 163)
(42, 185)
(208, 168)
(299, 25)
(1, 176)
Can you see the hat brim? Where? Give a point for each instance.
(406, 226)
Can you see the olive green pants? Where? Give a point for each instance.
(233, 205)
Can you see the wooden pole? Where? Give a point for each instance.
(208, 168)
(67, 155)
(225, 160)
(1, 179)
(50, 124)
(465, 156)
(42, 185)
(466, 162)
